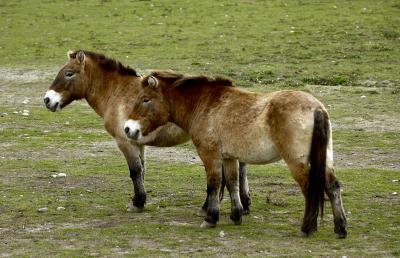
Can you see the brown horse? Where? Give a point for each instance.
(108, 87)
(227, 124)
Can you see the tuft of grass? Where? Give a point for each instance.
(391, 34)
(334, 81)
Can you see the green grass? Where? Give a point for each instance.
(97, 189)
(95, 220)
(328, 48)
(287, 43)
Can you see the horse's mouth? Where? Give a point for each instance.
(53, 108)
(53, 100)
(134, 135)
(132, 130)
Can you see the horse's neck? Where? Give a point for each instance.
(101, 90)
(185, 109)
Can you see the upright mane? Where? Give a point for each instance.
(180, 80)
(108, 64)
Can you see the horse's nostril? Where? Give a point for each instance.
(136, 134)
(46, 100)
(126, 129)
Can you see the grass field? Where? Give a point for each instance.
(346, 53)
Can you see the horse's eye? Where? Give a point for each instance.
(146, 100)
(69, 74)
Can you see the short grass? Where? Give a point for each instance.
(344, 52)
(95, 221)
(255, 42)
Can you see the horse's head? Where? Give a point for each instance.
(150, 109)
(70, 83)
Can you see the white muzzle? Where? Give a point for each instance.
(52, 100)
(132, 129)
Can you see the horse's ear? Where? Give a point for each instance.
(69, 53)
(153, 82)
(80, 57)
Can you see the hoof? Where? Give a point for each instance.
(238, 222)
(341, 235)
(133, 208)
(236, 215)
(309, 234)
(246, 212)
(202, 212)
(340, 230)
(207, 224)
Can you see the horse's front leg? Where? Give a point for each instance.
(134, 155)
(214, 176)
(244, 191)
(203, 210)
(231, 168)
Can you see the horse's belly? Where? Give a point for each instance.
(262, 154)
(253, 152)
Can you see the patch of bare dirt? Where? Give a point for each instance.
(381, 123)
(25, 75)
(362, 159)
(173, 154)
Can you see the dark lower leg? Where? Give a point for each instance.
(212, 215)
(333, 192)
(205, 205)
(309, 225)
(136, 174)
(231, 175)
(244, 188)
(236, 210)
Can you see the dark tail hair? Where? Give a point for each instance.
(317, 174)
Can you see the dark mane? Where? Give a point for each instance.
(167, 74)
(108, 64)
(203, 80)
(180, 80)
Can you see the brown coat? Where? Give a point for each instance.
(227, 124)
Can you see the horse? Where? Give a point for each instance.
(227, 124)
(108, 87)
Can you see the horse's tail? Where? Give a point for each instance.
(317, 174)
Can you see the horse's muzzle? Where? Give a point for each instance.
(52, 100)
(132, 129)
(134, 134)
(49, 106)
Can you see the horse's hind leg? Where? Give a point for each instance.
(332, 189)
(232, 183)
(244, 188)
(300, 172)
